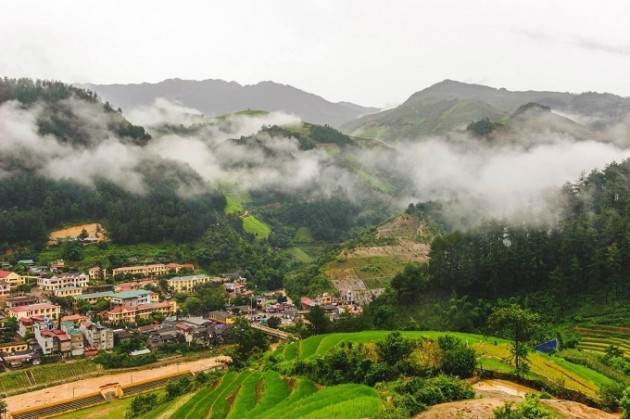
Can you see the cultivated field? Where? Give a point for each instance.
(494, 354)
(599, 337)
(268, 395)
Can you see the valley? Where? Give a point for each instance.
(407, 231)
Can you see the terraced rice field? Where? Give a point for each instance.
(268, 395)
(494, 354)
(599, 337)
(203, 403)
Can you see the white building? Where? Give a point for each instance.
(97, 335)
(63, 280)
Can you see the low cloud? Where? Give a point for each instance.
(590, 44)
(482, 179)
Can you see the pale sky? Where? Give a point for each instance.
(371, 52)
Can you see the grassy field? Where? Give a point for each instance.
(298, 254)
(43, 374)
(13, 380)
(372, 267)
(303, 235)
(114, 409)
(494, 354)
(258, 228)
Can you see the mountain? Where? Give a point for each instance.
(215, 97)
(422, 116)
(451, 105)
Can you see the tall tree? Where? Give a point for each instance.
(518, 325)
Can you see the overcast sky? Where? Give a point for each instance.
(374, 53)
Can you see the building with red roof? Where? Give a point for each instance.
(51, 311)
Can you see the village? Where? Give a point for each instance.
(52, 314)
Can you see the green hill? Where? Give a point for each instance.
(494, 355)
(422, 116)
(449, 106)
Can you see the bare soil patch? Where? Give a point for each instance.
(94, 230)
(494, 393)
(405, 250)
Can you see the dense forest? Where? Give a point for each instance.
(32, 205)
(59, 118)
(583, 255)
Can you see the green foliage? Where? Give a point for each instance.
(417, 394)
(611, 395)
(205, 298)
(142, 404)
(518, 325)
(319, 322)
(415, 279)
(393, 348)
(123, 360)
(256, 227)
(456, 358)
(274, 322)
(175, 388)
(250, 342)
(340, 365)
(482, 127)
(327, 134)
(624, 402)
(529, 408)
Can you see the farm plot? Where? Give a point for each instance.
(247, 396)
(494, 354)
(267, 395)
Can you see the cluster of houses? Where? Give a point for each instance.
(43, 329)
(334, 306)
(39, 335)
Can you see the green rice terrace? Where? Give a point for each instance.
(599, 337)
(256, 394)
(494, 355)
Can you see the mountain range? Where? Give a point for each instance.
(451, 105)
(216, 97)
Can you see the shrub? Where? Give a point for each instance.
(611, 395)
(142, 404)
(625, 403)
(417, 394)
(529, 408)
(456, 359)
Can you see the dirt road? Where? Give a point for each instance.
(90, 385)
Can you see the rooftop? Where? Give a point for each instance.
(102, 294)
(33, 307)
(131, 294)
(188, 277)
